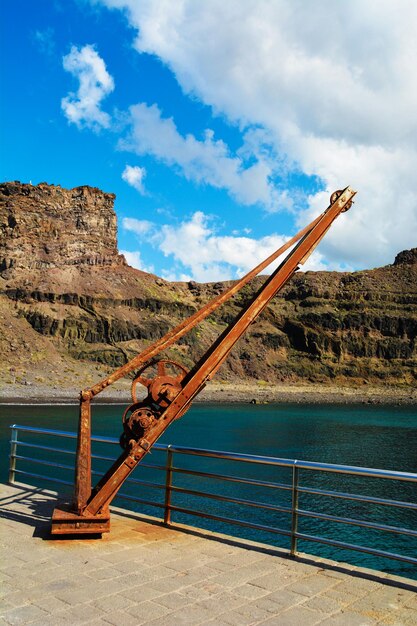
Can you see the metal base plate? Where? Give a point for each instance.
(66, 522)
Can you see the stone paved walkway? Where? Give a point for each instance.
(144, 573)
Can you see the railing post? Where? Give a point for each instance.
(294, 507)
(168, 485)
(12, 457)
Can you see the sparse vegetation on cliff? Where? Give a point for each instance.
(72, 308)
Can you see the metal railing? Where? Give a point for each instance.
(295, 488)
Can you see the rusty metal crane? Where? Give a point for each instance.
(171, 388)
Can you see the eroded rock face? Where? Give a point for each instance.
(62, 274)
(47, 226)
(406, 257)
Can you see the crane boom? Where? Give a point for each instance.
(170, 393)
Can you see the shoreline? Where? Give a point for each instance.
(227, 393)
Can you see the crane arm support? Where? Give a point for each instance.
(205, 369)
(82, 486)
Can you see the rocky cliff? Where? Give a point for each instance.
(46, 226)
(71, 304)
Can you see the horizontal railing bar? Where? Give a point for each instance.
(93, 456)
(148, 502)
(232, 456)
(260, 460)
(235, 479)
(47, 448)
(359, 498)
(45, 431)
(73, 435)
(215, 496)
(98, 457)
(357, 471)
(229, 520)
(42, 462)
(145, 483)
(357, 522)
(66, 482)
(49, 478)
(135, 481)
(308, 490)
(310, 465)
(357, 548)
(152, 466)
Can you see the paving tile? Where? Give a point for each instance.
(80, 614)
(146, 574)
(285, 597)
(346, 618)
(24, 614)
(128, 567)
(217, 621)
(405, 617)
(270, 606)
(120, 556)
(50, 603)
(221, 603)
(173, 600)
(323, 604)
(296, 616)
(55, 619)
(234, 618)
(387, 599)
(240, 575)
(253, 613)
(105, 573)
(113, 602)
(185, 563)
(250, 591)
(343, 597)
(166, 585)
(196, 593)
(120, 618)
(147, 611)
(195, 576)
(140, 593)
(313, 584)
(411, 601)
(222, 566)
(190, 616)
(360, 586)
(275, 581)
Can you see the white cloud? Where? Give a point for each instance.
(95, 83)
(45, 39)
(134, 176)
(332, 85)
(134, 259)
(202, 255)
(202, 161)
(139, 227)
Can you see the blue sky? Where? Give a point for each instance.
(221, 127)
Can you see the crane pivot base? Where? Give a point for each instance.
(66, 522)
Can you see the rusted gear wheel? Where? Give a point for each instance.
(137, 419)
(335, 195)
(163, 385)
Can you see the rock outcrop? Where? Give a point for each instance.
(46, 226)
(64, 281)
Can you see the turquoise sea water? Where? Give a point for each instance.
(371, 436)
